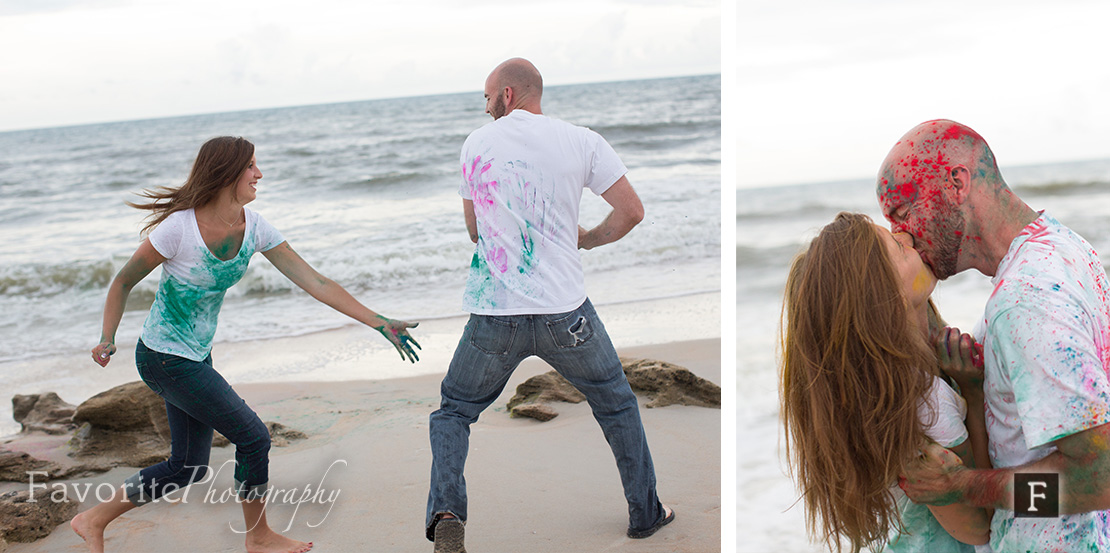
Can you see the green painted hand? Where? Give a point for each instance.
(397, 333)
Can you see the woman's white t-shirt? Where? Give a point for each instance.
(182, 320)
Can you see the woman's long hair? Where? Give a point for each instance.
(220, 163)
(854, 370)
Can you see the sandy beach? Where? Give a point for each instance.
(360, 479)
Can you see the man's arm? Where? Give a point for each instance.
(966, 523)
(627, 212)
(1044, 341)
(471, 220)
(1082, 460)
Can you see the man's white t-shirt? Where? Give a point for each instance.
(1046, 332)
(525, 174)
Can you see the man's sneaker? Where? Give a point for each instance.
(449, 536)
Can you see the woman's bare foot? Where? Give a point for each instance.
(268, 541)
(92, 533)
(90, 524)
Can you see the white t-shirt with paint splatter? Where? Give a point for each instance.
(182, 320)
(525, 174)
(1046, 348)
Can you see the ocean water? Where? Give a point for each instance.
(772, 225)
(366, 192)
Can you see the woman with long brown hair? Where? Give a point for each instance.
(203, 236)
(862, 391)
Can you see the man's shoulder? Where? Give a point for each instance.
(492, 129)
(571, 127)
(521, 123)
(1046, 234)
(525, 119)
(1047, 247)
(481, 131)
(1052, 267)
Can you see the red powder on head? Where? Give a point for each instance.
(955, 131)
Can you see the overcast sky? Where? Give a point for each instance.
(824, 89)
(80, 61)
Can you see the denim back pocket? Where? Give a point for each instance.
(178, 369)
(490, 334)
(572, 330)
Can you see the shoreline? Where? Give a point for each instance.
(349, 353)
(533, 486)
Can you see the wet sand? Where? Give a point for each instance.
(359, 482)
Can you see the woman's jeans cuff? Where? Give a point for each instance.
(251, 493)
(133, 487)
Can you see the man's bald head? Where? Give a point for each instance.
(925, 180)
(930, 150)
(519, 73)
(514, 84)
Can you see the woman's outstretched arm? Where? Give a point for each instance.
(335, 296)
(142, 262)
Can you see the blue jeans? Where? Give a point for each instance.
(576, 345)
(198, 399)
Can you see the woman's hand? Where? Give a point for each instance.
(397, 333)
(960, 357)
(102, 353)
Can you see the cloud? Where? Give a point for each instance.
(825, 89)
(128, 60)
(27, 7)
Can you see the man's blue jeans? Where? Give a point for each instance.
(198, 399)
(576, 345)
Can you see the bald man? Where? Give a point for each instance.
(523, 178)
(1045, 335)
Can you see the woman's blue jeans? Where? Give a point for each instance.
(198, 399)
(577, 346)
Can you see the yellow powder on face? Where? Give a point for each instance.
(921, 281)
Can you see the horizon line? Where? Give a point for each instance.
(339, 102)
(848, 180)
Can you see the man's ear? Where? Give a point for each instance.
(509, 98)
(960, 179)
